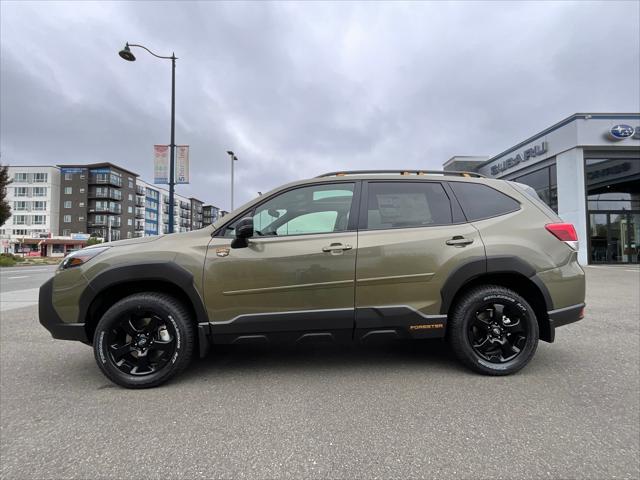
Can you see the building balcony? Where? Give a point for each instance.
(105, 179)
(100, 210)
(104, 223)
(140, 190)
(139, 212)
(110, 194)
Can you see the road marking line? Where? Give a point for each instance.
(23, 276)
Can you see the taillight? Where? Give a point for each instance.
(564, 232)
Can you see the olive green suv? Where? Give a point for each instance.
(347, 256)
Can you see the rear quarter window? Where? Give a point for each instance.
(480, 201)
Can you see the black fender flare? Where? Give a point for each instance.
(167, 272)
(478, 266)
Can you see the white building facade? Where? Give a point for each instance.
(586, 168)
(34, 198)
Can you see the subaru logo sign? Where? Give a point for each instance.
(620, 132)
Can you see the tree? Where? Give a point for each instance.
(5, 209)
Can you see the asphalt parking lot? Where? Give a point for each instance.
(399, 410)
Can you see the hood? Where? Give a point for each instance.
(131, 241)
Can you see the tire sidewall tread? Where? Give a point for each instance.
(172, 309)
(460, 316)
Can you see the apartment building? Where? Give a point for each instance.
(33, 197)
(210, 214)
(196, 214)
(99, 199)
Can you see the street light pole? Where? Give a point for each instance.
(173, 142)
(233, 159)
(126, 54)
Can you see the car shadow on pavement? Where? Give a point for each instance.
(321, 358)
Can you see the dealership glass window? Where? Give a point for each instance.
(21, 192)
(57, 248)
(544, 182)
(21, 177)
(21, 205)
(613, 184)
(66, 219)
(39, 205)
(39, 219)
(68, 190)
(40, 177)
(19, 219)
(39, 191)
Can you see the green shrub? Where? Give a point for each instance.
(6, 261)
(15, 258)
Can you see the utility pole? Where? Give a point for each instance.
(233, 159)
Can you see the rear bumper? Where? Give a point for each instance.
(564, 316)
(50, 319)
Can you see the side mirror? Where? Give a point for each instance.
(243, 230)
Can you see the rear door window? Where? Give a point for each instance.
(406, 204)
(480, 201)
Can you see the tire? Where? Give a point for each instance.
(143, 340)
(493, 330)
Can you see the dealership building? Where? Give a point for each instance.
(586, 168)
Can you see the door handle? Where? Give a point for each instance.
(336, 247)
(459, 241)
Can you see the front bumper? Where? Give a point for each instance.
(50, 319)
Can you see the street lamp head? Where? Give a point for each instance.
(126, 54)
(229, 152)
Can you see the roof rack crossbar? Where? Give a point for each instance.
(402, 172)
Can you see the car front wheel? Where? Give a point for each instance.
(493, 330)
(143, 340)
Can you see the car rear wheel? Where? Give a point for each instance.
(493, 330)
(143, 340)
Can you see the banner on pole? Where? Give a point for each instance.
(161, 164)
(182, 164)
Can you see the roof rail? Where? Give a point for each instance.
(402, 172)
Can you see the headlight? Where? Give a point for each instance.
(81, 257)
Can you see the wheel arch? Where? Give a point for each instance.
(116, 283)
(505, 271)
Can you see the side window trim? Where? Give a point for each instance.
(251, 211)
(456, 209)
(364, 205)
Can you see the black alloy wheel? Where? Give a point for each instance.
(493, 330)
(498, 332)
(144, 339)
(141, 343)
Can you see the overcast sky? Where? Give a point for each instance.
(297, 89)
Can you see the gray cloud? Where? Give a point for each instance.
(301, 88)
